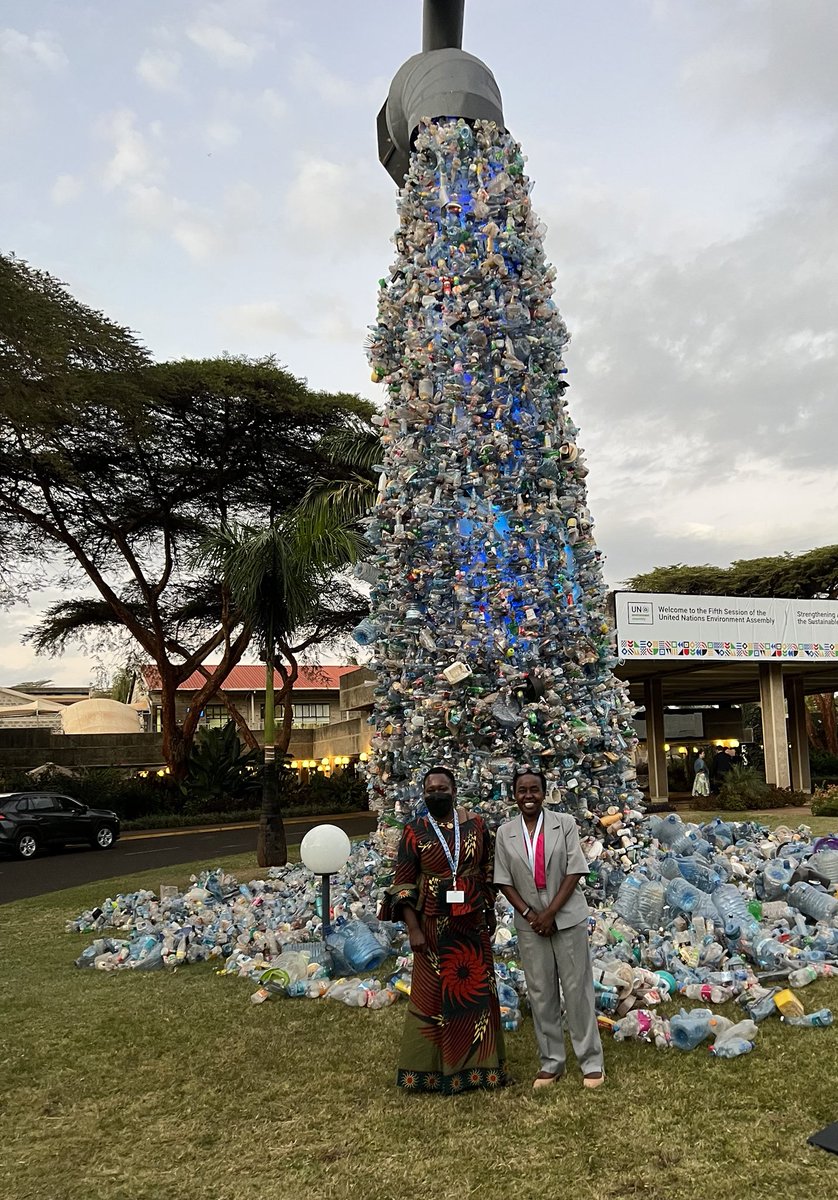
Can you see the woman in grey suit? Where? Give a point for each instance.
(538, 866)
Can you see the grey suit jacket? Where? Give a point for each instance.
(562, 856)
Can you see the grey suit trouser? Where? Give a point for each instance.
(564, 958)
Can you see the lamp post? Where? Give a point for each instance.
(324, 850)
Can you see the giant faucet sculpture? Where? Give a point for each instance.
(488, 630)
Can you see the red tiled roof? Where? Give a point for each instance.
(252, 678)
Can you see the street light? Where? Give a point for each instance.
(324, 850)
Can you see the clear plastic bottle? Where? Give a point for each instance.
(732, 907)
(732, 1048)
(815, 1020)
(825, 862)
(776, 877)
(710, 993)
(682, 896)
(667, 829)
(628, 899)
(697, 871)
(814, 903)
(803, 976)
(650, 903)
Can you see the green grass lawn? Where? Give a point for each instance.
(172, 1086)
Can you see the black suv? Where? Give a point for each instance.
(31, 820)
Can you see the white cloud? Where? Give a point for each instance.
(202, 233)
(134, 157)
(160, 69)
(66, 189)
(767, 60)
(313, 76)
(265, 316)
(272, 104)
(308, 316)
(222, 46)
(334, 202)
(221, 134)
(39, 50)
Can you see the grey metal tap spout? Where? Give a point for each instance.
(441, 81)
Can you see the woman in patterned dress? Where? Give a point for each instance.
(453, 1040)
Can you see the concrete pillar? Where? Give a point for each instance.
(653, 702)
(801, 775)
(772, 701)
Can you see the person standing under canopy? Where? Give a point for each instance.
(538, 866)
(442, 890)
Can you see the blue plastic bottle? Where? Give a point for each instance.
(690, 1029)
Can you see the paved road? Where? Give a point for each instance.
(70, 867)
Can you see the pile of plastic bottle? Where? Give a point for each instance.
(268, 931)
(711, 913)
(488, 628)
(717, 912)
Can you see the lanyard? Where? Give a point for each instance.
(531, 843)
(453, 859)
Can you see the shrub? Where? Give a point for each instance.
(825, 801)
(221, 775)
(824, 766)
(743, 789)
(129, 796)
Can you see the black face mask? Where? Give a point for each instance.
(440, 804)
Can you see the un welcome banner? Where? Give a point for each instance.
(650, 625)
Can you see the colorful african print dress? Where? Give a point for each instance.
(453, 1040)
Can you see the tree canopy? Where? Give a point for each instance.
(115, 469)
(812, 575)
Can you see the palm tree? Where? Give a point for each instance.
(355, 451)
(285, 583)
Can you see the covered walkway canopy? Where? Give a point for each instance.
(683, 650)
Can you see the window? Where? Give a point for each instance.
(70, 806)
(306, 716)
(215, 716)
(42, 804)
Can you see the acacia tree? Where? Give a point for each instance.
(114, 469)
(812, 575)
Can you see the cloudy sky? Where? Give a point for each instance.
(206, 173)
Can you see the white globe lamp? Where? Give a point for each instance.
(324, 850)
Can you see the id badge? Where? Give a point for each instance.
(455, 896)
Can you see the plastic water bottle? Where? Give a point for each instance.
(825, 863)
(768, 951)
(718, 831)
(733, 909)
(691, 842)
(816, 1020)
(697, 871)
(682, 896)
(689, 1029)
(803, 976)
(628, 899)
(667, 829)
(362, 949)
(776, 877)
(710, 993)
(732, 1048)
(819, 905)
(650, 904)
